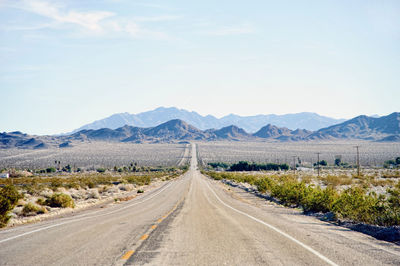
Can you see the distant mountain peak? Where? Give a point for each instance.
(306, 120)
(384, 129)
(363, 127)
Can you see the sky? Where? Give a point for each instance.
(64, 63)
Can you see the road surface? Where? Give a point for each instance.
(192, 221)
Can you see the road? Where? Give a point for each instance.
(192, 221)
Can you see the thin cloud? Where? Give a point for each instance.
(28, 28)
(96, 22)
(156, 6)
(230, 30)
(157, 18)
(88, 20)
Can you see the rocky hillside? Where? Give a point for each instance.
(385, 128)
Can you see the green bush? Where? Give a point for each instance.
(50, 170)
(219, 164)
(100, 170)
(290, 192)
(320, 200)
(246, 166)
(393, 210)
(60, 200)
(264, 184)
(139, 180)
(355, 204)
(9, 197)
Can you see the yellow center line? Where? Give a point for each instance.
(144, 237)
(153, 226)
(128, 254)
(159, 220)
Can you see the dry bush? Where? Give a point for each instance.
(125, 198)
(382, 183)
(391, 174)
(334, 181)
(60, 200)
(93, 194)
(33, 209)
(306, 179)
(126, 187)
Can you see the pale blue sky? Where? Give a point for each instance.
(66, 63)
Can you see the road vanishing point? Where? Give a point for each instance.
(191, 220)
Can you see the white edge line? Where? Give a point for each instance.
(276, 230)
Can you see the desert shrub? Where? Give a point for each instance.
(100, 170)
(391, 174)
(140, 191)
(90, 184)
(246, 166)
(333, 180)
(32, 209)
(60, 200)
(138, 180)
(72, 184)
(9, 197)
(56, 183)
(355, 204)
(290, 192)
(394, 198)
(237, 177)
(393, 210)
(320, 200)
(264, 184)
(219, 164)
(306, 179)
(50, 170)
(214, 175)
(41, 201)
(124, 198)
(94, 194)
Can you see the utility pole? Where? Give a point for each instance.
(294, 165)
(358, 161)
(318, 153)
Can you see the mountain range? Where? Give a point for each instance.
(385, 128)
(309, 121)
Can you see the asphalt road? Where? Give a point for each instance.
(192, 221)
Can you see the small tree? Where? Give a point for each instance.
(9, 197)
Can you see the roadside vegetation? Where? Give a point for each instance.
(371, 198)
(29, 193)
(250, 166)
(9, 197)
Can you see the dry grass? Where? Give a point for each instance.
(125, 198)
(339, 180)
